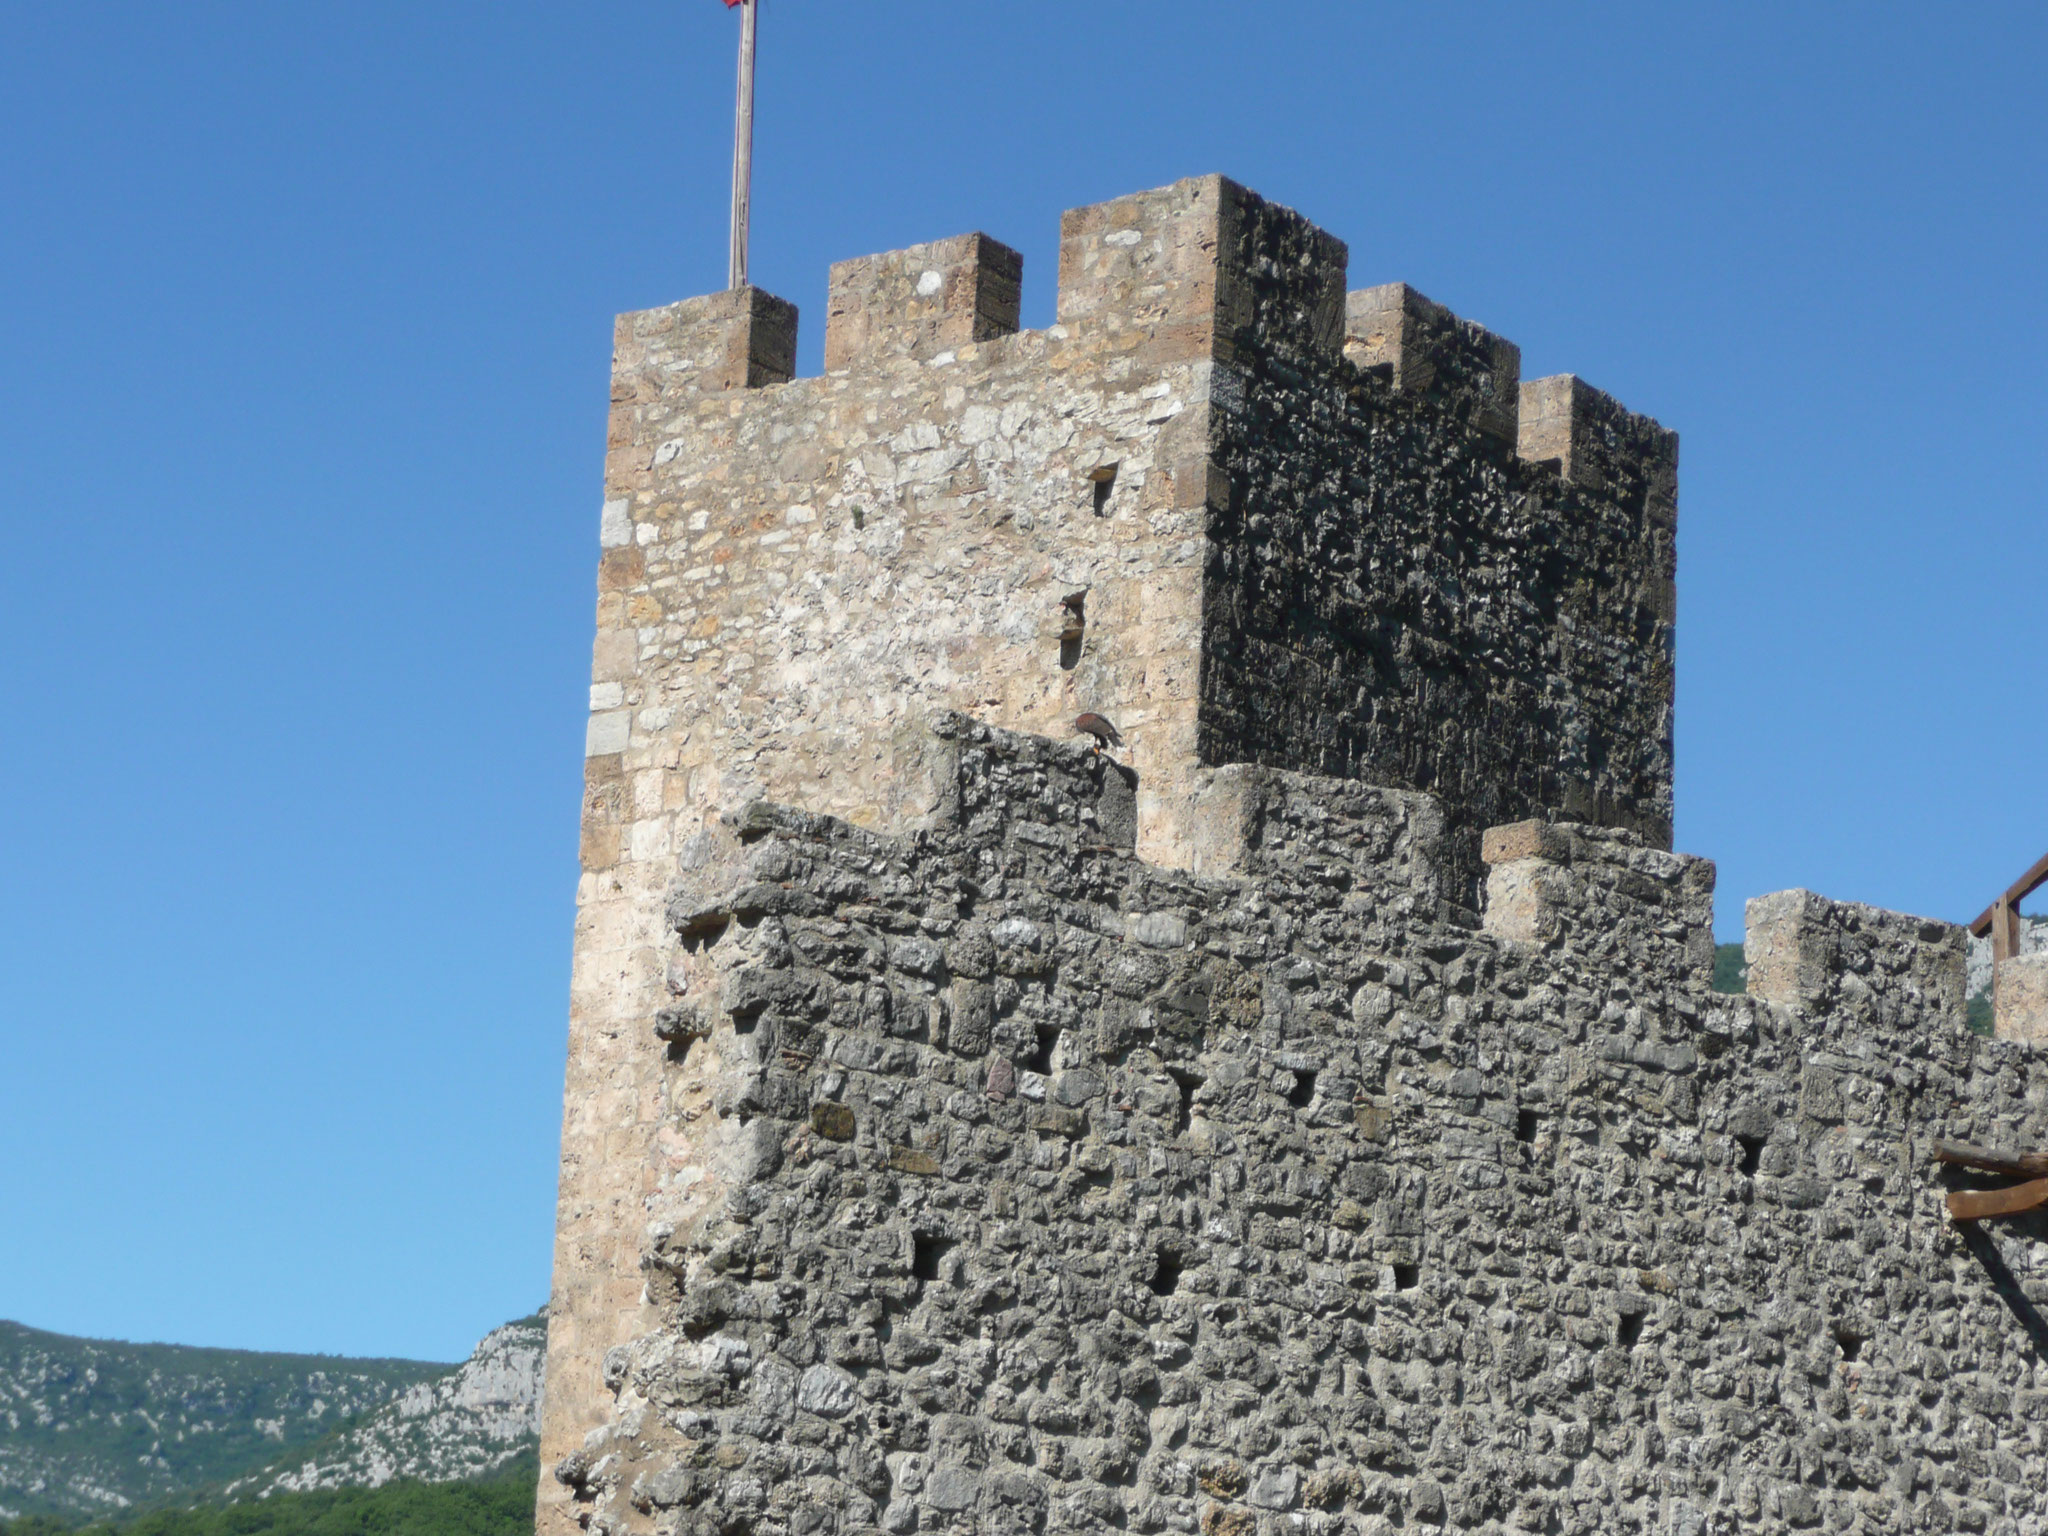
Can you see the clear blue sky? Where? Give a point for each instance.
(303, 353)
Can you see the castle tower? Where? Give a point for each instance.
(1316, 530)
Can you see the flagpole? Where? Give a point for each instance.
(743, 147)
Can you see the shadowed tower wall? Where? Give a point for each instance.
(1316, 531)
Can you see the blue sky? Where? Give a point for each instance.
(303, 354)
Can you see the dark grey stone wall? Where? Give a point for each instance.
(1071, 1194)
(1394, 594)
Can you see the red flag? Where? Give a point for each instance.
(729, 4)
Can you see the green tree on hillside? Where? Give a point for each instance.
(496, 1506)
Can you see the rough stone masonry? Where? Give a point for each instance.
(1319, 1120)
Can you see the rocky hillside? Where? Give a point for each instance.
(469, 1422)
(89, 1427)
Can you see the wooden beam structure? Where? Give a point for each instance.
(2021, 1165)
(2015, 1200)
(2001, 920)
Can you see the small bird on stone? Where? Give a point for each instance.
(1105, 734)
(1075, 623)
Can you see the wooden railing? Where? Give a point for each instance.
(2002, 918)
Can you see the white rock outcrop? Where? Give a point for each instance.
(481, 1415)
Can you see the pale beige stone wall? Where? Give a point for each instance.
(1809, 953)
(2020, 1000)
(794, 576)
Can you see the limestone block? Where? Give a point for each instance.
(1222, 820)
(1526, 840)
(1599, 891)
(1203, 268)
(1788, 946)
(1526, 899)
(1599, 443)
(922, 300)
(2020, 1000)
(1844, 958)
(741, 338)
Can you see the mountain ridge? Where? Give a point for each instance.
(96, 1429)
(469, 1423)
(92, 1427)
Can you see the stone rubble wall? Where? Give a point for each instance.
(1072, 1193)
(1396, 594)
(1315, 531)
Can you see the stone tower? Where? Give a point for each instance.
(1320, 532)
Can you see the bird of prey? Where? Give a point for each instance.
(1105, 734)
(1075, 621)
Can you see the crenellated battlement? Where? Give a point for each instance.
(1201, 333)
(1313, 1113)
(922, 301)
(1011, 1183)
(1266, 524)
(1427, 352)
(1200, 270)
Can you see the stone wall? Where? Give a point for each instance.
(791, 577)
(1312, 532)
(1395, 594)
(1070, 1193)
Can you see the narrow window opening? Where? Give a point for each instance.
(1165, 1273)
(860, 517)
(1070, 651)
(926, 1251)
(1184, 1112)
(1527, 1123)
(1040, 1059)
(705, 931)
(1105, 482)
(1851, 1344)
(1752, 1152)
(743, 1021)
(1407, 1276)
(1304, 1089)
(1628, 1327)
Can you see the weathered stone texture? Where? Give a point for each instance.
(1317, 535)
(2020, 1000)
(1395, 596)
(1081, 1194)
(920, 301)
(1807, 952)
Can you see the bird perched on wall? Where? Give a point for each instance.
(1105, 734)
(1073, 622)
